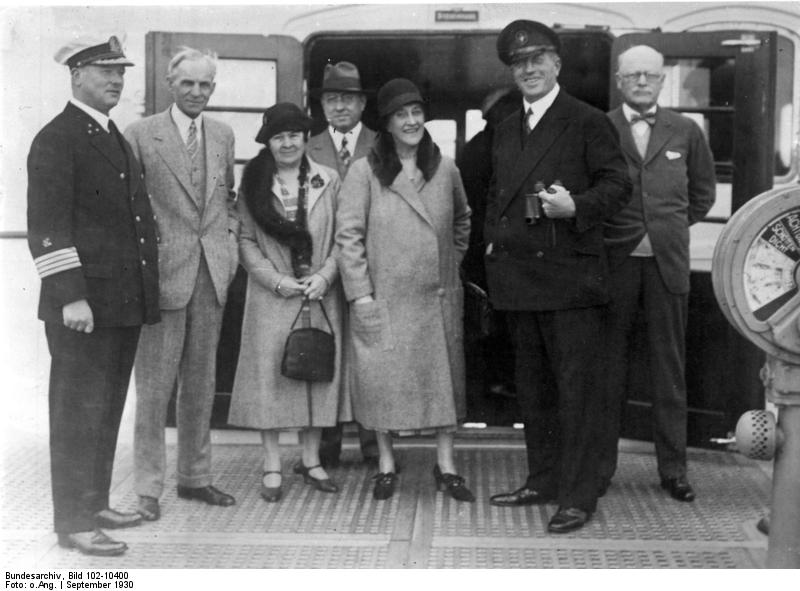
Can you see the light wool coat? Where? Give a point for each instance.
(405, 246)
(262, 397)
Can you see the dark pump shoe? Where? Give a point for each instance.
(207, 494)
(385, 483)
(679, 489)
(111, 519)
(566, 520)
(325, 485)
(454, 484)
(93, 543)
(271, 494)
(521, 496)
(148, 508)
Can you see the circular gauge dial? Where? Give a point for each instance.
(770, 274)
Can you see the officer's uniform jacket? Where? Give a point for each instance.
(90, 225)
(555, 264)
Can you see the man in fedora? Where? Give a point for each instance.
(93, 239)
(346, 139)
(559, 173)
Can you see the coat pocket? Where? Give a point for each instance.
(371, 325)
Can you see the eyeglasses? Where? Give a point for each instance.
(635, 76)
(346, 98)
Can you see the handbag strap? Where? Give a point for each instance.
(321, 305)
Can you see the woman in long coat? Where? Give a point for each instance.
(402, 230)
(287, 204)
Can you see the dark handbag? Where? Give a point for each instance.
(310, 353)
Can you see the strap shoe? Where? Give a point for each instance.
(453, 484)
(325, 485)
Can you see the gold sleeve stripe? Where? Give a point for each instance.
(57, 261)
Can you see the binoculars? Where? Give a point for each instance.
(533, 205)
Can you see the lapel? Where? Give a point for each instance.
(537, 144)
(626, 136)
(214, 146)
(365, 141)
(323, 150)
(314, 193)
(403, 187)
(102, 141)
(659, 134)
(172, 150)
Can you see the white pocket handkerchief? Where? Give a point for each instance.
(673, 155)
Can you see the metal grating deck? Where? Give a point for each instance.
(636, 526)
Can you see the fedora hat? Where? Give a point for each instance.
(341, 77)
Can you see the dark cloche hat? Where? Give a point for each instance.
(341, 77)
(396, 93)
(85, 51)
(282, 117)
(524, 38)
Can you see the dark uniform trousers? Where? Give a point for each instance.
(559, 393)
(89, 376)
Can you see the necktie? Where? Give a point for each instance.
(191, 141)
(529, 120)
(344, 153)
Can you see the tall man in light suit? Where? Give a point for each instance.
(345, 140)
(672, 171)
(188, 165)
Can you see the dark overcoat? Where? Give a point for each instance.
(84, 201)
(555, 264)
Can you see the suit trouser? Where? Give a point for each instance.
(181, 348)
(89, 376)
(557, 377)
(637, 288)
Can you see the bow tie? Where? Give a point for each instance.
(649, 118)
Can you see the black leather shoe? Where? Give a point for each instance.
(148, 508)
(93, 543)
(679, 489)
(521, 496)
(763, 525)
(207, 494)
(602, 487)
(454, 484)
(384, 485)
(271, 494)
(566, 520)
(325, 485)
(111, 519)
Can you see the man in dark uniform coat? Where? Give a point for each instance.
(558, 175)
(344, 140)
(92, 236)
(674, 186)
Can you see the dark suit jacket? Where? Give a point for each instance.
(84, 196)
(673, 187)
(322, 150)
(555, 264)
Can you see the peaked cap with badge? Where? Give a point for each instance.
(523, 38)
(91, 51)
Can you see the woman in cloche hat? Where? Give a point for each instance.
(287, 205)
(402, 230)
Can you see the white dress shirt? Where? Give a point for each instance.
(352, 137)
(540, 106)
(641, 132)
(183, 121)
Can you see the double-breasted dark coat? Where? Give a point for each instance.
(555, 264)
(92, 236)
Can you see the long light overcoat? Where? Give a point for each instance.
(263, 398)
(405, 246)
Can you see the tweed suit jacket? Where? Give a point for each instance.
(90, 225)
(673, 187)
(188, 227)
(321, 149)
(555, 264)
